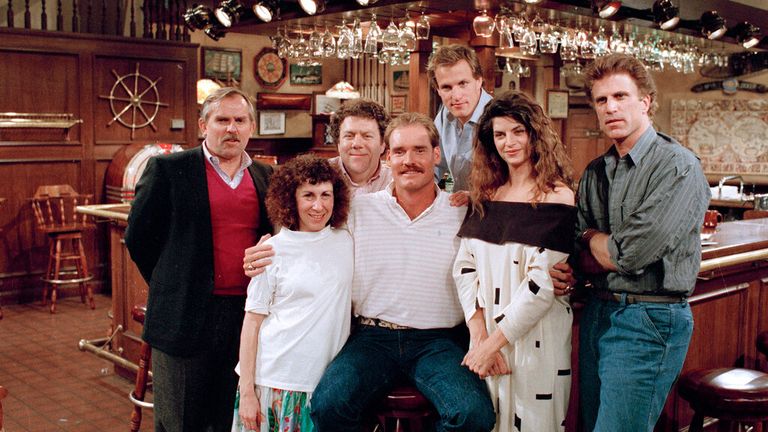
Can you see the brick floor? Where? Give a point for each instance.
(53, 386)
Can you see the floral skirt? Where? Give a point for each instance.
(282, 411)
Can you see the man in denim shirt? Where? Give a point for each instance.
(641, 206)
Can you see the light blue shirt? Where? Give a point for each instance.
(456, 143)
(234, 182)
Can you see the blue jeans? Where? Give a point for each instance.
(373, 359)
(629, 357)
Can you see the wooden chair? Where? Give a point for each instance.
(3, 394)
(732, 395)
(142, 375)
(755, 214)
(54, 209)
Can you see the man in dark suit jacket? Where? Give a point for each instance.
(194, 214)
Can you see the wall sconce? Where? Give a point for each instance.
(229, 12)
(312, 7)
(712, 25)
(266, 10)
(605, 9)
(483, 25)
(747, 34)
(665, 14)
(343, 90)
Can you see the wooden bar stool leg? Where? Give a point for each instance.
(140, 388)
(56, 275)
(75, 245)
(84, 268)
(49, 272)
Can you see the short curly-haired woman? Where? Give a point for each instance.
(298, 311)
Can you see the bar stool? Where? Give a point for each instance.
(142, 376)
(407, 408)
(728, 394)
(55, 212)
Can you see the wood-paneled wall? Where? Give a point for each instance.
(46, 72)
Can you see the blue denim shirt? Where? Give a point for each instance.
(456, 143)
(651, 202)
(234, 182)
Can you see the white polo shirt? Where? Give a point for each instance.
(402, 266)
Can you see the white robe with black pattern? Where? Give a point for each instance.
(511, 283)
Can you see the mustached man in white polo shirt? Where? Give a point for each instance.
(403, 297)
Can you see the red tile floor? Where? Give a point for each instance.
(53, 386)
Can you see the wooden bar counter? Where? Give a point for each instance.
(128, 287)
(729, 304)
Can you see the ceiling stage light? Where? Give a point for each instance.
(666, 14)
(712, 25)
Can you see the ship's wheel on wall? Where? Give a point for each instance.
(134, 100)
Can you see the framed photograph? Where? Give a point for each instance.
(400, 81)
(271, 123)
(325, 104)
(398, 104)
(306, 75)
(557, 104)
(222, 64)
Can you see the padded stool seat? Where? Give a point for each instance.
(407, 408)
(142, 376)
(728, 394)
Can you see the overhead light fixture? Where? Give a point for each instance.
(712, 25)
(203, 18)
(198, 17)
(266, 10)
(215, 32)
(605, 9)
(366, 2)
(747, 34)
(343, 90)
(312, 7)
(533, 1)
(665, 14)
(483, 25)
(229, 12)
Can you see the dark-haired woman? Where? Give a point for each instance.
(520, 224)
(298, 311)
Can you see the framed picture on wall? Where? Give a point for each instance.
(222, 63)
(306, 75)
(398, 104)
(271, 123)
(557, 104)
(325, 104)
(400, 81)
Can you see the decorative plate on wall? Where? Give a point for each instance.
(269, 68)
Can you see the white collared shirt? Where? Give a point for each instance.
(403, 266)
(234, 182)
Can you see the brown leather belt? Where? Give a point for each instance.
(639, 298)
(376, 322)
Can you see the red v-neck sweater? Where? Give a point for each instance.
(234, 220)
